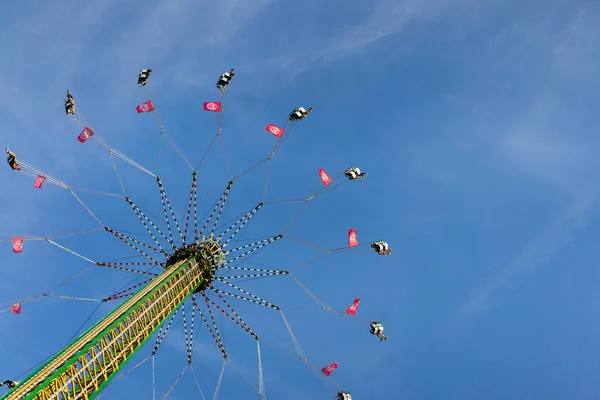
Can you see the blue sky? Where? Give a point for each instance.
(477, 123)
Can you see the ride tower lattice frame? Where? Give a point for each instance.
(83, 368)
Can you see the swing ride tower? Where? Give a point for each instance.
(85, 366)
(82, 369)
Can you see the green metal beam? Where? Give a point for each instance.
(86, 366)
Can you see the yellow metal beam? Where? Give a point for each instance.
(82, 369)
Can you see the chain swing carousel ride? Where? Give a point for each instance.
(196, 265)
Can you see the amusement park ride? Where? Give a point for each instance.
(84, 367)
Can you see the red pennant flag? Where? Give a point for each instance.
(16, 308)
(354, 307)
(145, 107)
(85, 134)
(212, 106)
(329, 369)
(39, 181)
(324, 177)
(18, 245)
(352, 240)
(275, 130)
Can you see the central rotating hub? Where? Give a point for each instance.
(207, 253)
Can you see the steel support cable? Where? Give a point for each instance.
(163, 131)
(214, 324)
(210, 330)
(127, 238)
(259, 245)
(191, 203)
(160, 336)
(222, 199)
(241, 222)
(135, 271)
(197, 382)
(116, 234)
(166, 215)
(62, 185)
(220, 381)
(189, 356)
(143, 219)
(176, 382)
(107, 146)
(253, 298)
(219, 130)
(241, 324)
(123, 293)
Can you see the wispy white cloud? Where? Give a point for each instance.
(99, 47)
(578, 47)
(63, 43)
(384, 18)
(534, 254)
(541, 137)
(537, 148)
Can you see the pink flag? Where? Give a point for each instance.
(145, 107)
(214, 106)
(354, 307)
(18, 245)
(39, 181)
(329, 369)
(324, 177)
(85, 134)
(352, 240)
(275, 130)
